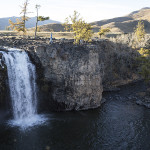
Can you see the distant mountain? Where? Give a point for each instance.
(126, 26)
(29, 24)
(118, 19)
(126, 23)
(143, 14)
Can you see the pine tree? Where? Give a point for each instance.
(140, 31)
(19, 25)
(82, 30)
(103, 31)
(24, 17)
(39, 18)
(67, 26)
(144, 63)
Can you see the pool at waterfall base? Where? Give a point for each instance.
(31, 121)
(119, 124)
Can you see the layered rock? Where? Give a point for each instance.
(118, 64)
(72, 77)
(3, 84)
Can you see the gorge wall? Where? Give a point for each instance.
(4, 92)
(72, 77)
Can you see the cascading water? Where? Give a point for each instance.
(22, 85)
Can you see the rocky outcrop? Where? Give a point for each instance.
(3, 84)
(118, 64)
(72, 77)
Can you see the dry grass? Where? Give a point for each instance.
(56, 35)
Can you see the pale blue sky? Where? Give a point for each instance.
(90, 10)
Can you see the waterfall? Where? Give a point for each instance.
(22, 85)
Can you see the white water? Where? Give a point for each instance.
(22, 85)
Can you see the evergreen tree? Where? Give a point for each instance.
(103, 31)
(19, 25)
(39, 18)
(67, 26)
(140, 31)
(144, 60)
(82, 30)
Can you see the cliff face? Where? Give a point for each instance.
(74, 76)
(3, 84)
(118, 64)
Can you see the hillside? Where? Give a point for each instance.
(29, 24)
(126, 26)
(143, 14)
(126, 23)
(56, 27)
(104, 22)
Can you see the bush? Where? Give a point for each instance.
(82, 30)
(144, 63)
(132, 41)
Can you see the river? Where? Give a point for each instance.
(119, 124)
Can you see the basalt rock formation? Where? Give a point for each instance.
(72, 77)
(4, 92)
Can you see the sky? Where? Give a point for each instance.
(90, 10)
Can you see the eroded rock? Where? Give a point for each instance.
(73, 74)
(72, 77)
